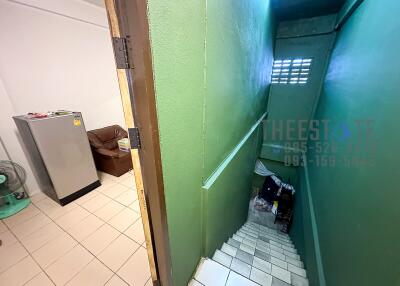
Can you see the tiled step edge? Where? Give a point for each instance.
(269, 248)
(250, 230)
(273, 244)
(295, 266)
(194, 282)
(266, 235)
(261, 272)
(261, 228)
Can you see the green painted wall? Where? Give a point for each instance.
(357, 207)
(211, 63)
(292, 106)
(238, 68)
(304, 230)
(227, 199)
(177, 30)
(304, 38)
(239, 56)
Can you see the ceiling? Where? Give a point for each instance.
(99, 3)
(289, 9)
(297, 9)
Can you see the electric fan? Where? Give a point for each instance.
(13, 197)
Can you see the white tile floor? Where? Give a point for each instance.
(254, 256)
(96, 240)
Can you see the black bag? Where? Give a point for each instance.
(270, 189)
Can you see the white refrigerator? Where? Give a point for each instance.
(60, 154)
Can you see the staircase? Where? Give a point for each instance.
(255, 255)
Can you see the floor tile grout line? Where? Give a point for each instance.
(273, 239)
(31, 256)
(94, 232)
(16, 241)
(116, 273)
(114, 199)
(281, 247)
(23, 220)
(286, 256)
(115, 202)
(230, 269)
(120, 233)
(36, 194)
(37, 276)
(57, 217)
(107, 222)
(251, 267)
(76, 274)
(272, 255)
(276, 235)
(44, 268)
(128, 189)
(78, 243)
(111, 216)
(198, 282)
(96, 256)
(113, 272)
(109, 279)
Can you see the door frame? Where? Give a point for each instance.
(128, 21)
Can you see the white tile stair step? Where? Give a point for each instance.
(255, 255)
(244, 264)
(255, 234)
(222, 258)
(210, 273)
(282, 237)
(262, 251)
(264, 248)
(267, 238)
(194, 282)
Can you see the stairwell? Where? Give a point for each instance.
(255, 255)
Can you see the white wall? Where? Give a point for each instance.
(55, 54)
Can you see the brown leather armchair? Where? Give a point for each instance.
(107, 156)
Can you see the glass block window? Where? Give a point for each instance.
(291, 71)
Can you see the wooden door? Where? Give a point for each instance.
(129, 31)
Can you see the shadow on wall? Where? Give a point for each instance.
(31, 161)
(4, 155)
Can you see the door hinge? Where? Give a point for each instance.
(134, 138)
(121, 53)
